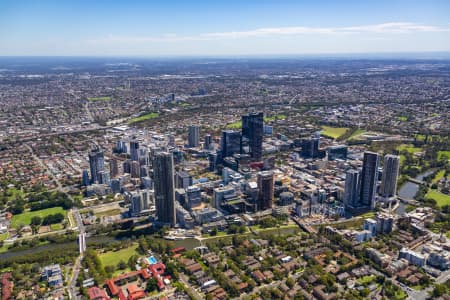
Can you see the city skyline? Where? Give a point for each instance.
(222, 29)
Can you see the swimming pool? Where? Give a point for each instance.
(152, 260)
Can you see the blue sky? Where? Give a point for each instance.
(189, 27)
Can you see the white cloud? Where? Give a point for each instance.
(384, 28)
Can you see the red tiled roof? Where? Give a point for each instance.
(134, 292)
(96, 293)
(137, 295)
(112, 287)
(157, 269)
(6, 286)
(145, 274)
(122, 296)
(160, 284)
(178, 250)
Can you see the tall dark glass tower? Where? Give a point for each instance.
(265, 190)
(252, 134)
(134, 150)
(194, 136)
(163, 173)
(369, 177)
(390, 173)
(230, 143)
(96, 164)
(352, 188)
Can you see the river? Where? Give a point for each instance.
(409, 189)
(188, 243)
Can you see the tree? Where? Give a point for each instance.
(121, 265)
(152, 284)
(132, 261)
(290, 282)
(213, 231)
(36, 220)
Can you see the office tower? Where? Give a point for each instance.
(113, 168)
(115, 185)
(183, 180)
(145, 199)
(230, 143)
(194, 136)
(134, 149)
(223, 194)
(208, 141)
(85, 178)
(146, 183)
(194, 196)
(143, 171)
(96, 164)
(103, 177)
(390, 174)
(143, 157)
(136, 206)
(352, 188)
(212, 157)
(252, 134)
(265, 190)
(127, 166)
(121, 147)
(164, 187)
(369, 178)
(135, 169)
(171, 142)
(310, 148)
(337, 152)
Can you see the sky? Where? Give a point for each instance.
(222, 28)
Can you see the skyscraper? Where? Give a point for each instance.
(265, 190)
(134, 149)
(252, 134)
(230, 143)
(310, 148)
(194, 136)
(390, 174)
(85, 178)
(163, 173)
(208, 141)
(352, 188)
(135, 169)
(113, 168)
(369, 177)
(96, 164)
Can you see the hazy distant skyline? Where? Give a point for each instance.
(183, 28)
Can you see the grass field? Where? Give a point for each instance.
(235, 125)
(25, 218)
(273, 118)
(438, 176)
(3, 236)
(112, 258)
(143, 118)
(357, 133)
(13, 192)
(55, 227)
(107, 213)
(333, 132)
(219, 233)
(441, 154)
(105, 98)
(366, 280)
(441, 199)
(409, 148)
